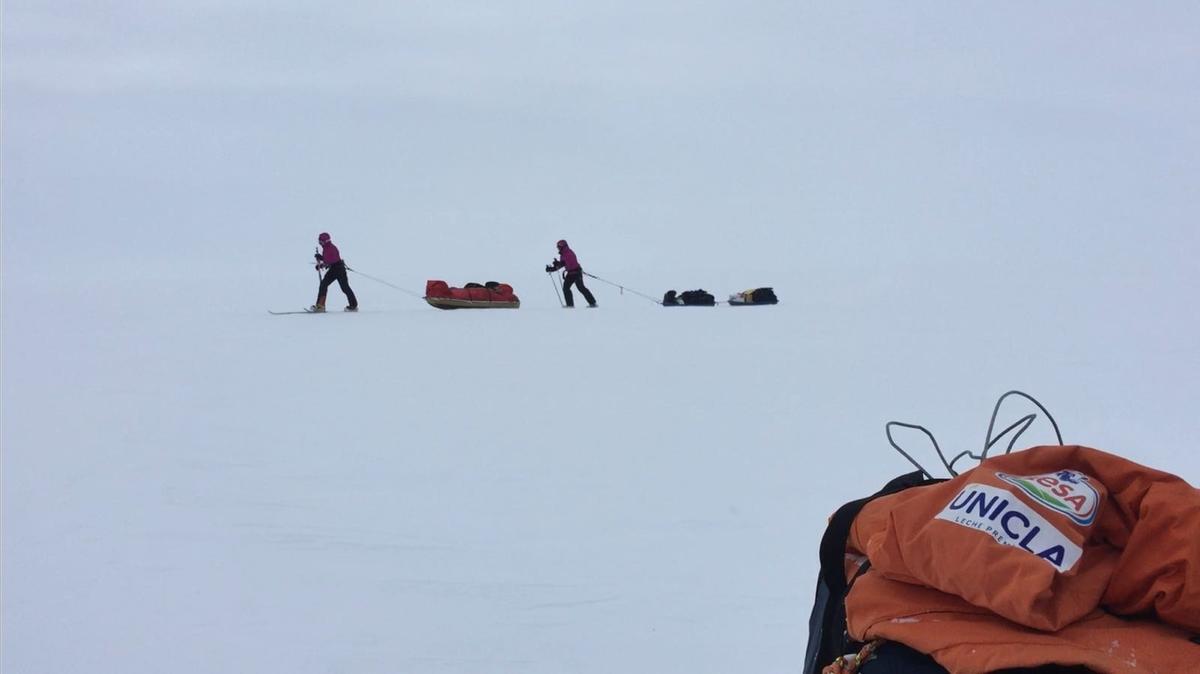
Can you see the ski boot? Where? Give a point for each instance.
(353, 309)
(317, 309)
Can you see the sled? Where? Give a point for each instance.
(754, 298)
(688, 298)
(491, 295)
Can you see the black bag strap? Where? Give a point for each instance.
(833, 543)
(827, 637)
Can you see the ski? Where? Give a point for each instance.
(307, 311)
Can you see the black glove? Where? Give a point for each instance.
(318, 257)
(549, 268)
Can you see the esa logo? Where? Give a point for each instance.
(1066, 491)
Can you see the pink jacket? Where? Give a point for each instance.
(567, 259)
(329, 254)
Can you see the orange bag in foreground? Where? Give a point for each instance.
(1028, 559)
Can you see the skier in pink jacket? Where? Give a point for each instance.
(335, 270)
(573, 276)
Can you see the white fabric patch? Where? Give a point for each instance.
(1009, 521)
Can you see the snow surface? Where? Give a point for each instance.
(194, 489)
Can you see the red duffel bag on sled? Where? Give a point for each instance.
(490, 295)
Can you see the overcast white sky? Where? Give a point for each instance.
(672, 142)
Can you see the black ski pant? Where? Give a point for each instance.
(336, 272)
(575, 278)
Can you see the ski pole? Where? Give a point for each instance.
(317, 267)
(561, 303)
